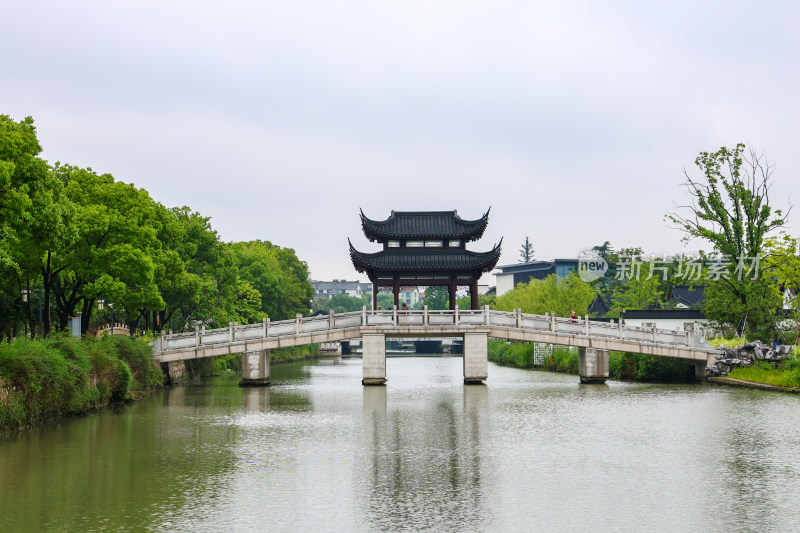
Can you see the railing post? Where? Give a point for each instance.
(196, 336)
(655, 334)
(163, 340)
(424, 315)
(330, 319)
(620, 328)
(552, 321)
(264, 327)
(394, 315)
(267, 330)
(363, 315)
(519, 317)
(486, 314)
(586, 327)
(230, 331)
(688, 336)
(297, 323)
(455, 315)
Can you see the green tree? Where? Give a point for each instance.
(437, 297)
(277, 273)
(639, 292)
(550, 295)
(730, 209)
(782, 264)
(35, 215)
(526, 252)
(115, 250)
(342, 303)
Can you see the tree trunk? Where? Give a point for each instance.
(47, 280)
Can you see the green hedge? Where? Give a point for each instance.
(63, 375)
(622, 366)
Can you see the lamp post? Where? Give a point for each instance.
(26, 294)
(101, 304)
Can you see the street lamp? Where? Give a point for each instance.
(26, 293)
(101, 303)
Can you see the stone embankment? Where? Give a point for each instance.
(746, 355)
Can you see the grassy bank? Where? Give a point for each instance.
(61, 376)
(784, 374)
(622, 366)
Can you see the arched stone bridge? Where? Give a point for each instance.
(593, 338)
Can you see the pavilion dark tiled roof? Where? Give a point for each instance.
(691, 296)
(424, 225)
(426, 259)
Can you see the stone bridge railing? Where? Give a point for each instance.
(427, 320)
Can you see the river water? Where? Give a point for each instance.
(316, 451)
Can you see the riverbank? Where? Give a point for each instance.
(744, 384)
(60, 376)
(622, 366)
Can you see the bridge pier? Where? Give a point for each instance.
(255, 369)
(700, 372)
(593, 365)
(476, 357)
(373, 359)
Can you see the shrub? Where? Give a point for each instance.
(62, 375)
(139, 357)
(562, 359)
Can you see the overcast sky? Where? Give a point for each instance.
(572, 120)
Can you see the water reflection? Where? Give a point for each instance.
(425, 458)
(316, 451)
(255, 398)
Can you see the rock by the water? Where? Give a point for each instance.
(744, 355)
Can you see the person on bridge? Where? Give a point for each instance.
(573, 316)
(405, 308)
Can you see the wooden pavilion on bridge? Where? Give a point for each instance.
(424, 248)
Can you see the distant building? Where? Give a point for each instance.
(410, 295)
(681, 319)
(326, 289)
(510, 275)
(687, 296)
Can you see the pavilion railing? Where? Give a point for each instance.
(425, 317)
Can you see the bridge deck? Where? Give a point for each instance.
(393, 323)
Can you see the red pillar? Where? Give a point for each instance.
(452, 291)
(374, 296)
(396, 291)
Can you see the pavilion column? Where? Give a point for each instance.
(374, 296)
(452, 291)
(473, 294)
(396, 290)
